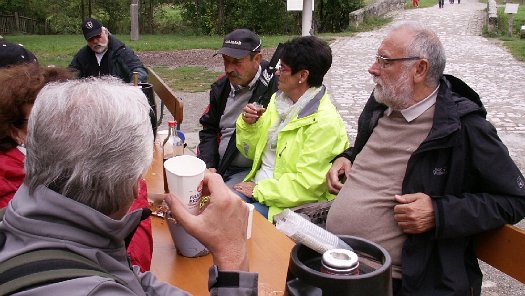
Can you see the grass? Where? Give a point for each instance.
(59, 49)
(187, 78)
(372, 23)
(422, 4)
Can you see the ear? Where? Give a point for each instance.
(304, 75)
(421, 71)
(258, 58)
(17, 135)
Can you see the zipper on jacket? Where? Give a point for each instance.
(281, 153)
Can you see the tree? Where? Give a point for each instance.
(334, 14)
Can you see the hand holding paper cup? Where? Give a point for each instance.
(184, 174)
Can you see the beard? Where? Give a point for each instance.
(100, 48)
(395, 94)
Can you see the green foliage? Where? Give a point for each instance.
(261, 16)
(168, 19)
(11, 6)
(334, 14)
(114, 14)
(503, 22)
(63, 24)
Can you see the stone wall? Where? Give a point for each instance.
(378, 8)
(492, 15)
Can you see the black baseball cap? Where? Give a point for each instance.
(240, 43)
(12, 54)
(91, 28)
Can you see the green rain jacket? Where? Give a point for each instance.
(305, 148)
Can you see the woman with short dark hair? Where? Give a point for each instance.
(294, 140)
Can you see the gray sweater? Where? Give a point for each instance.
(47, 219)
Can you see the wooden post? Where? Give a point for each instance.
(510, 24)
(17, 22)
(134, 12)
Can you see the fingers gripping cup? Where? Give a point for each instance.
(260, 108)
(184, 174)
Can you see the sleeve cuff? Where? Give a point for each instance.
(238, 280)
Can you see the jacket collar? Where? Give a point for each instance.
(54, 217)
(455, 100)
(313, 105)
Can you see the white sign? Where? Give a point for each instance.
(297, 5)
(511, 8)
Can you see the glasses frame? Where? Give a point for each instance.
(385, 62)
(282, 68)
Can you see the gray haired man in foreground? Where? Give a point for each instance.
(88, 145)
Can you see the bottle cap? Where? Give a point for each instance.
(340, 259)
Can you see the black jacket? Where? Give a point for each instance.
(474, 184)
(210, 135)
(119, 61)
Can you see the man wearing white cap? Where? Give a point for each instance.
(247, 79)
(104, 54)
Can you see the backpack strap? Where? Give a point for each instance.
(47, 266)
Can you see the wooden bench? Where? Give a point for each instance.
(504, 249)
(167, 96)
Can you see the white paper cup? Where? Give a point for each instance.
(184, 174)
(250, 220)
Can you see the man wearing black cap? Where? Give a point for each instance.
(248, 78)
(106, 55)
(13, 54)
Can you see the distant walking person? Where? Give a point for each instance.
(441, 3)
(104, 54)
(415, 3)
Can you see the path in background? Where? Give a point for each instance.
(483, 64)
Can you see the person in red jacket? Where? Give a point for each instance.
(20, 86)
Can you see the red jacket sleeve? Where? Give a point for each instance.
(140, 249)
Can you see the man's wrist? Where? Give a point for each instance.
(232, 260)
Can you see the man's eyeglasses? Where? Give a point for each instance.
(385, 62)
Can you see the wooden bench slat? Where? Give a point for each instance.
(504, 249)
(172, 103)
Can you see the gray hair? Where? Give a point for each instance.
(90, 140)
(426, 44)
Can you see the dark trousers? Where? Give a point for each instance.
(396, 287)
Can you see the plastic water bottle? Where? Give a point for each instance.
(178, 144)
(167, 150)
